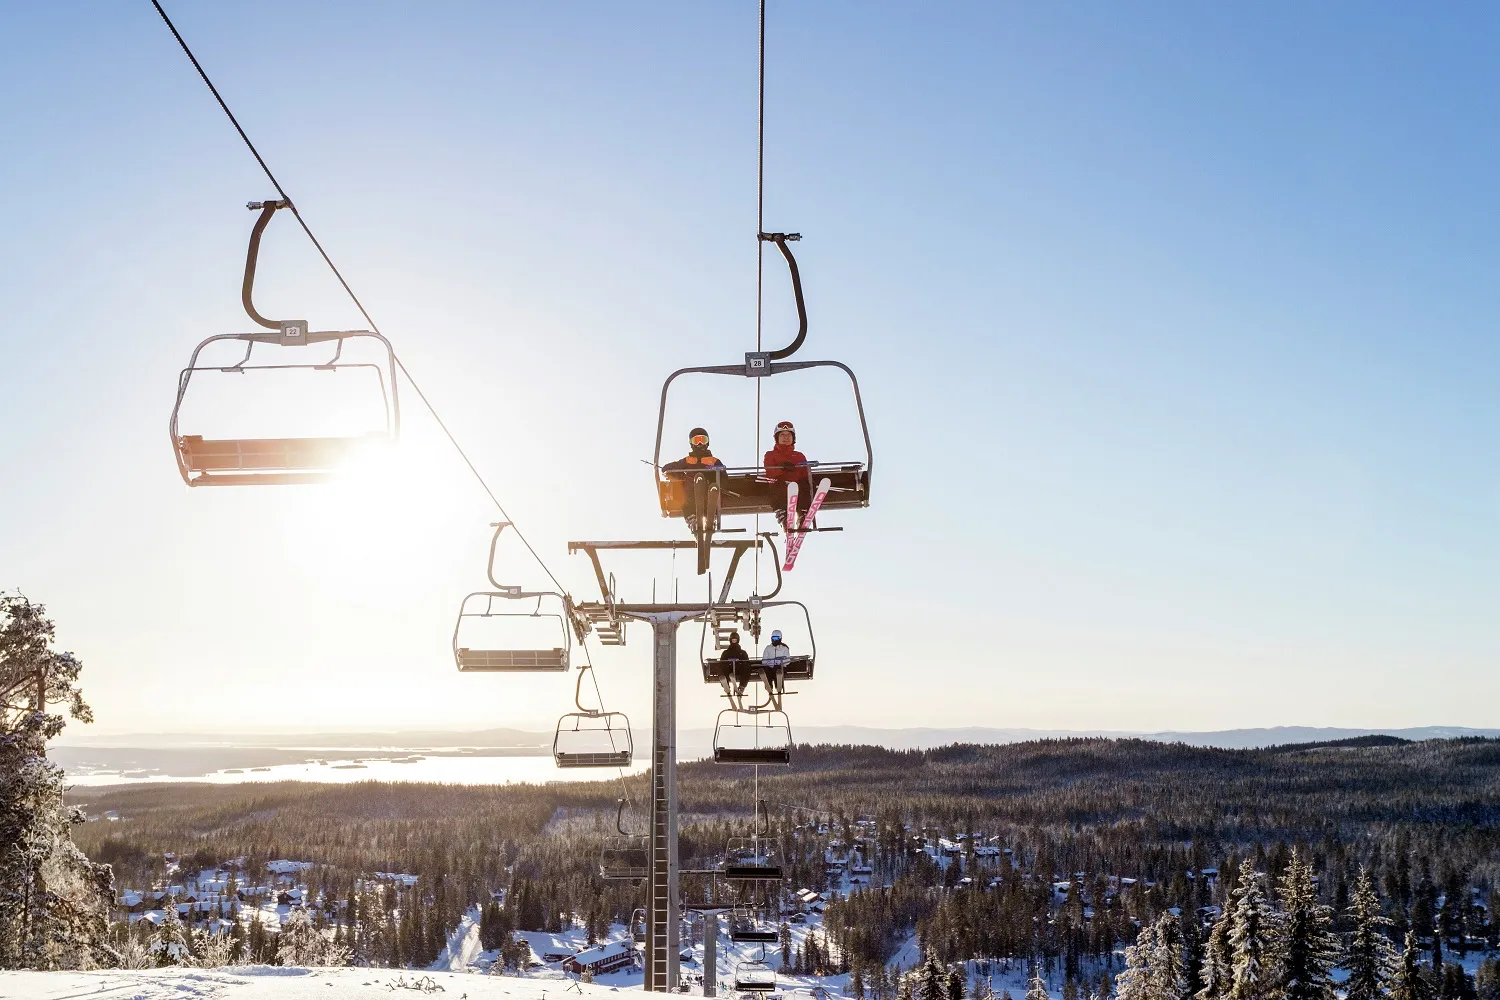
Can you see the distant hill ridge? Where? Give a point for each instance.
(695, 742)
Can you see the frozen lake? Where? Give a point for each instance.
(91, 766)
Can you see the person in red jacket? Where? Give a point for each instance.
(784, 465)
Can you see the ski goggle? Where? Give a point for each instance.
(775, 636)
(698, 439)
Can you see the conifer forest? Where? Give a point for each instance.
(1126, 868)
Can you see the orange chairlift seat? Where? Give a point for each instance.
(279, 461)
(718, 490)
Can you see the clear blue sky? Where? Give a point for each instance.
(1176, 324)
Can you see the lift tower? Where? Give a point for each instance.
(662, 916)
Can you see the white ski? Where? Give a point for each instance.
(794, 536)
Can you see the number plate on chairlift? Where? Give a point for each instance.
(757, 364)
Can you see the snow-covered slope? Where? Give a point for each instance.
(274, 983)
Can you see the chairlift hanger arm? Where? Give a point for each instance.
(252, 256)
(781, 240)
(489, 569)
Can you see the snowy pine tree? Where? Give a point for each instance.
(1168, 966)
(1252, 936)
(1217, 970)
(1370, 960)
(1135, 982)
(54, 902)
(1036, 989)
(932, 982)
(1307, 949)
(1407, 982)
(170, 942)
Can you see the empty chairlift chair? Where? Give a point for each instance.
(745, 926)
(638, 926)
(625, 857)
(592, 739)
(754, 977)
(752, 859)
(495, 634)
(755, 858)
(261, 461)
(752, 737)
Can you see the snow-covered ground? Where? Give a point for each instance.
(275, 983)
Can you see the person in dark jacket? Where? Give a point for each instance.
(736, 654)
(698, 457)
(784, 465)
(687, 469)
(734, 651)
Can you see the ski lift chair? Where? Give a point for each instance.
(638, 925)
(752, 859)
(745, 490)
(494, 658)
(592, 737)
(739, 673)
(745, 926)
(754, 977)
(475, 647)
(279, 461)
(756, 858)
(625, 857)
(752, 737)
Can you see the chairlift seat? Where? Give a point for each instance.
(617, 758)
(282, 461)
(754, 977)
(752, 755)
(743, 927)
(752, 870)
(593, 739)
(746, 491)
(511, 660)
(625, 858)
(796, 668)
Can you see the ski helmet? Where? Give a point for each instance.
(695, 434)
(776, 636)
(785, 425)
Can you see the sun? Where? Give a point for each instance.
(384, 521)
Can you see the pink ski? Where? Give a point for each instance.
(794, 536)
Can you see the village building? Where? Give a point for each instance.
(604, 958)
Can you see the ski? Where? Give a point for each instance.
(795, 536)
(790, 521)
